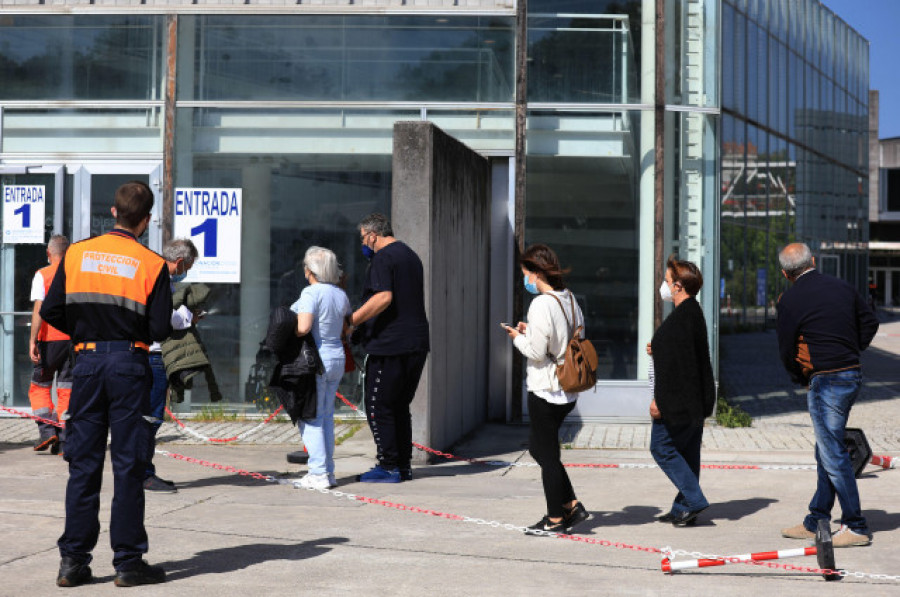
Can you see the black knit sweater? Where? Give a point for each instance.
(684, 386)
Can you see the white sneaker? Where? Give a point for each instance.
(332, 482)
(310, 481)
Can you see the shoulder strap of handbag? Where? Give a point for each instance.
(566, 317)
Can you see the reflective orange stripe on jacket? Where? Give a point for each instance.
(48, 333)
(111, 270)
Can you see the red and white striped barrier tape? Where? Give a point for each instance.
(666, 552)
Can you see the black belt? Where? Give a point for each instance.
(111, 346)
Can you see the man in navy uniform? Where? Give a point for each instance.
(112, 296)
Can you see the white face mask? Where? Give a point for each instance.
(665, 292)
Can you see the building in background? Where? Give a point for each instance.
(884, 213)
(294, 104)
(794, 149)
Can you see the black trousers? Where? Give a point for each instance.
(110, 394)
(543, 445)
(391, 383)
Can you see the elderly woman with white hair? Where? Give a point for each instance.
(322, 310)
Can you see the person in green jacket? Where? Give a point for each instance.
(184, 353)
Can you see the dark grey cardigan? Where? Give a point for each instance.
(685, 389)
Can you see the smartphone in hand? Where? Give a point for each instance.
(504, 325)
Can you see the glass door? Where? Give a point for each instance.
(94, 188)
(78, 198)
(18, 264)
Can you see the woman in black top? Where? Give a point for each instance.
(684, 390)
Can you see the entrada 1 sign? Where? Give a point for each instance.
(203, 202)
(23, 194)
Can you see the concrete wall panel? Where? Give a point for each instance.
(440, 208)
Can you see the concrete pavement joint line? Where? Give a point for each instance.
(666, 552)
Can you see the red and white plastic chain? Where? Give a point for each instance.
(665, 552)
(26, 415)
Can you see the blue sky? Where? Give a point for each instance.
(879, 22)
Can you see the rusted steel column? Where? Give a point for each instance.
(519, 186)
(168, 190)
(659, 174)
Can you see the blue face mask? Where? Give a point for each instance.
(368, 252)
(530, 286)
(176, 278)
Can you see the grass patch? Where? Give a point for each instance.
(731, 416)
(348, 434)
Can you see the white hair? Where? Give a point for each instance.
(323, 264)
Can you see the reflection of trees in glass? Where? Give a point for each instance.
(581, 65)
(268, 62)
(478, 69)
(746, 248)
(109, 59)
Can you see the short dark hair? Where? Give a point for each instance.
(685, 273)
(377, 223)
(540, 259)
(134, 200)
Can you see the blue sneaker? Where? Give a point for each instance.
(377, 474)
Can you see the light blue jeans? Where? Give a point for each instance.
(318, 433)
(830, 397)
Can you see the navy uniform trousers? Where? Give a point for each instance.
(110, 393)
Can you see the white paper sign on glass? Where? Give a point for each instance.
(23, 214)
(211, 218)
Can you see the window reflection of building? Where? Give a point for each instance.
(794, 148)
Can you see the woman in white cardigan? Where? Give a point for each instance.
(552, 317)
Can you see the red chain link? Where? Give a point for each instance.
(25, 415)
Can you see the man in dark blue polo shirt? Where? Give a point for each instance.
(394, 332)
(823, 326)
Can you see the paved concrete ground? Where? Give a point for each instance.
(225, 534)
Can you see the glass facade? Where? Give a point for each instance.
(794, 149)
(298, 110)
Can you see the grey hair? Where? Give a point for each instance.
(323, 264)
(377, 223)
(795, 259)
(57, 244)
(180, 248)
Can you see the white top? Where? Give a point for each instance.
(548, 333)
(37, 287)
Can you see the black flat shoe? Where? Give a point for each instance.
(686, 519)
(142, 574)
(667, 517)
(73, 574)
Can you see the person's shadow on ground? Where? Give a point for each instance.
(229, 559)
(737, 509)
(881, 520)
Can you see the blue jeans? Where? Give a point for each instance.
(157, 406)
(318, 433)
(676, 449)
(830, 397)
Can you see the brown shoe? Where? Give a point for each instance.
(43, 444)
(847, 538)
(798, 532)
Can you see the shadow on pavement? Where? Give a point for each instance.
(880, 520)
(228, 559)
(630, 515)
(738, 509)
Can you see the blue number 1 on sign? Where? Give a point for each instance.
(25, 210)
(210, 231)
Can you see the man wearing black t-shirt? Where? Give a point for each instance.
(394, 332)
